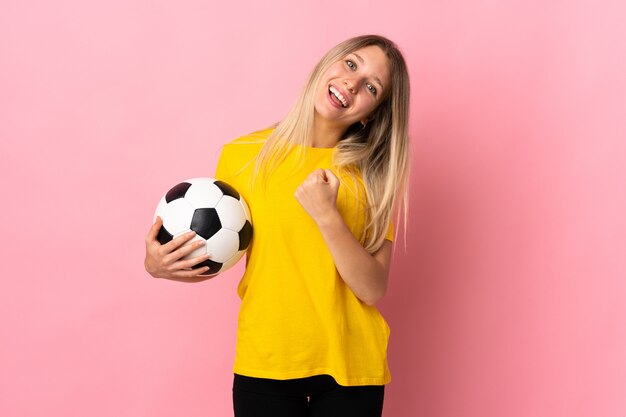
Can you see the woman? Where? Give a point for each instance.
(321, 186)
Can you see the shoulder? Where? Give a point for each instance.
(246, 146)
(240, 152)
(257, 138)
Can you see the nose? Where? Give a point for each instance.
(349, 83)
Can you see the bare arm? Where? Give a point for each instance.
(364, 273)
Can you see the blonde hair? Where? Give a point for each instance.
(380, 150)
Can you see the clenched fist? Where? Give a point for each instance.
(318, 194)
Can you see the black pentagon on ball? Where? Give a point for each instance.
(205, 222)
(177, 191)
(214, 267)
(245, 235)
(164, 236)
(227, 189)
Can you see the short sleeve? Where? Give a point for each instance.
(222, 172)
(389, 235)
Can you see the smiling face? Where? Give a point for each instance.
(351, 88)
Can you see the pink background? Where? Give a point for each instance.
(510, 300)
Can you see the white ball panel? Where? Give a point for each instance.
(203, 195)
(177, 216)
(245, 208)
(222, 245)
(231, 213)
(159, 209)
(199, 180)
(232, 261)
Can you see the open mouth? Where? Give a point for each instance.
(340, 98)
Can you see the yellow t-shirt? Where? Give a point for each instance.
(298, 318)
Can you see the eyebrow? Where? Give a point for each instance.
(375, 78)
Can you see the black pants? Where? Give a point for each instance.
(314, 396)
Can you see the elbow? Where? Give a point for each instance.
(375, 296)
(372, 301)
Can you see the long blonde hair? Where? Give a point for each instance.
(380, 151)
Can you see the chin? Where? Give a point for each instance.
(323, 112)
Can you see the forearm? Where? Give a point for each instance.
(361, 271)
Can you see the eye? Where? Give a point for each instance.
(350, 64)
(371, 88)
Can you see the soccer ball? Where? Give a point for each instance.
(216, 212)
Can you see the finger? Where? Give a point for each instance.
(315, 175)
(193, 273)
(332, 178)
(178, 241)
(154, 230)
(184, 250)
(190, 263)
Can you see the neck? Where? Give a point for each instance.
(325, 134)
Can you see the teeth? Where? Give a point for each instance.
(337, 94)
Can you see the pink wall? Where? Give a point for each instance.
(510, 299)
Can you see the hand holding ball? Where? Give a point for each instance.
(216, 212)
